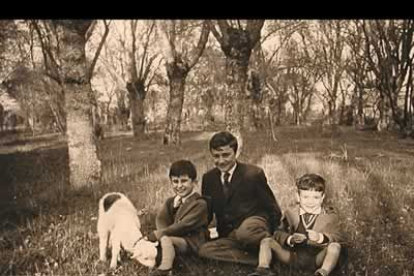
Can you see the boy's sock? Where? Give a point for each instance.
(265, 255)
(321, 272)
(168, 254)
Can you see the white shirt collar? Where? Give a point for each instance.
(317, 212)
(231, 171)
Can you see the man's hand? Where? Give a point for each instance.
(297, 238)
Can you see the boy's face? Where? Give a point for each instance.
(224, 158)
(310, 201)
(182, 185)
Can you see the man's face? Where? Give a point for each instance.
(182, 185)
(310, 201)
(224, 158)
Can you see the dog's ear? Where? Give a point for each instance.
(156, 243)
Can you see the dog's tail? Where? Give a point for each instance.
(108, 200)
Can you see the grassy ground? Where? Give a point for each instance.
(46, 229)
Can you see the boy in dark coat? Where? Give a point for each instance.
(182, 220)
(309, 236)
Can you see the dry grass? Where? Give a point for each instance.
(48, 230)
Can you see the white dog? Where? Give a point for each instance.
(119, 224)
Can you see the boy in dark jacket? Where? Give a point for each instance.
(182, 220)
(309, 236)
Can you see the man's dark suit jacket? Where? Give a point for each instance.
(250, 195)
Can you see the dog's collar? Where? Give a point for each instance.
(135, 243)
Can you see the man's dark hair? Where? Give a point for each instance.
(222, 139)
(183, 167)
(311, 182)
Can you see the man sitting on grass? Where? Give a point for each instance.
(242, 202)
(182, 220)
(309, 237)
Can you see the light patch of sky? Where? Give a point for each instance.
(274, 43)
(114, 58)
(10, 104)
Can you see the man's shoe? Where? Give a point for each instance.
(262, 271)
(160, 272)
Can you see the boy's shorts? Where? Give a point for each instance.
(305, 257)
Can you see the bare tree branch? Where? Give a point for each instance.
(213, 29)
(90, 30)
(142, 75)
(132, 62)
(254, 28)
(100, 46)
(239, 25)
(224, 29)
(148, 67)
(48, 58)
(154, 74)
(294, 26)
(281, 46)
(166, 46)
(198, 51)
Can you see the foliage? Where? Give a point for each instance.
(9, 48)
(390, 58)
(300, 66)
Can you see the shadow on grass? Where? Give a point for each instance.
(31, 182)
(388, 232)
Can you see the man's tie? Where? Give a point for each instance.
(307, 217)
(226, 184)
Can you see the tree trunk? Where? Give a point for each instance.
(209, 102)
(270, 116)
(341, 116)
(85, 167)
(407, 118)
(332, 116)
(137, 117)
(136, 95)
(237, 45)
(177, 75)
(255, 93)
(1, 117)
(235, 101)
(360, 120)
(382, 121)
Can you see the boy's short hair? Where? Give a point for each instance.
(183, 167)
(311, 182)
(222, 139)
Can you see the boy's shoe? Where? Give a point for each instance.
(160, 272)
(262, 271)
(320, 272)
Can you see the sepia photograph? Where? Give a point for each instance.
(207, 147)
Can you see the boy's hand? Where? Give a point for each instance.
(314, 236)
(298, 238)
(152, 237)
